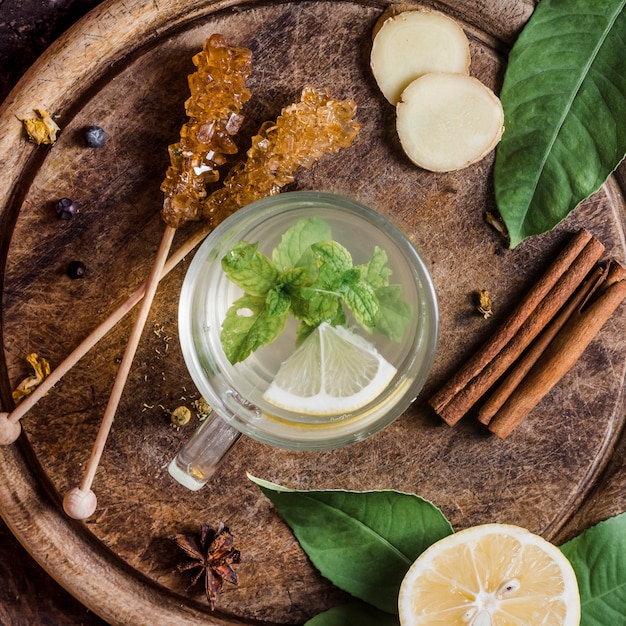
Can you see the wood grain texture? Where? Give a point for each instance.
(131, 79)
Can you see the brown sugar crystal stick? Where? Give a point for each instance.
(558, 358)
(541, 304)
(218, 92)
(497, 398)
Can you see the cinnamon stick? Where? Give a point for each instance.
(540, 306)
(601, 278)
(559, 357)
(498, 397)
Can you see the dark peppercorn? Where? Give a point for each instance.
(66, 208)
(76, 269)
(95, 136)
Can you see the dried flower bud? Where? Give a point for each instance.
(180, 416)
(484, 306)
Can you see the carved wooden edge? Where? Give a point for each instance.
(103, 38)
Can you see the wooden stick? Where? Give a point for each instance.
(512, 324)
(81, 502)
(535, 321)
(560, 356)
(530, 357)
(9, 422)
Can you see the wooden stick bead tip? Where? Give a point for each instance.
(80, 504)
(9, 430)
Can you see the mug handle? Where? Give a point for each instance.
(200, 457)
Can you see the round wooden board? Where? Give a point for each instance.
(124, 67)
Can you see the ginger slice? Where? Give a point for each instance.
(413, 43)
(446, 122)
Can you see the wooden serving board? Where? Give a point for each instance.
(124, 68)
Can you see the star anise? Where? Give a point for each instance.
(212, 553)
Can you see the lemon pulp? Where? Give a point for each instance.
(490, 575)
(333, 371)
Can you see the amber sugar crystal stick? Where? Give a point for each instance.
(218, 93)
(560, 355)
(528, 319)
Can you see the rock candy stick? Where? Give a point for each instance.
(218, 93)
(303, 132)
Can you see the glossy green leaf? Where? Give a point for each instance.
(353, 614)
(363, 542)
(598, 556)
(564, 100)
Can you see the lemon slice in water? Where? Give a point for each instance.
(490, 575)
(333, 371)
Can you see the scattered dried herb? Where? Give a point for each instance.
(212, 553)
(41, 368)
(483, 304)
(203, 408)
(41, 129)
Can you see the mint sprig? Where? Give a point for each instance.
(313, 278)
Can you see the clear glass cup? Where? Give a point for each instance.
(235, 392)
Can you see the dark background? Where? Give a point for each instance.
(28, 596)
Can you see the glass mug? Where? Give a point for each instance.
(236, 392)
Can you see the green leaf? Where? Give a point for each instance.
(361, 300)
(249, 269)
(598, 556)
(395, 313)
(315, 307)
(297, 240)
(363, 542)
(353, 614)
(278, 302)
(376, 272)
(333, 260)
(248, 326)
(564, 100)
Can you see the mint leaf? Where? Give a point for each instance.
(249, 269)
(362, 301)
(314, 306)
(353, 614)
(278, 302)
(297, 240)
(376, 272)
(332, 260)
(363, 542)
(248, 326)
(395, 313)
(598, 556)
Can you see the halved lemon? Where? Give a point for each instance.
(333, 371)
(490, 575)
